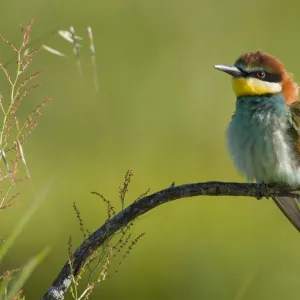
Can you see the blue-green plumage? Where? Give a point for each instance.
(264, 133)
(260, 142)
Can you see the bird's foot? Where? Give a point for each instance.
(264, 192)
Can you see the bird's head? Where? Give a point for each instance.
(258, 73)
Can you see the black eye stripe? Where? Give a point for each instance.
(270, 77)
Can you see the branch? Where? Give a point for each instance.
(97, 238)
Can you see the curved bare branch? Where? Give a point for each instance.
(97, 238)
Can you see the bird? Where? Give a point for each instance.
(263, 135)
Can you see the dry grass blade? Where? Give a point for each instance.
(68, 36)
(3, 155)
(23, 158)
(91, 40)
(74, 42)
(53, 51)
(93, 57)
(76, 52)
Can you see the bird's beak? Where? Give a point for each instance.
(231, 70)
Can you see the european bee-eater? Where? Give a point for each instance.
(264, 133)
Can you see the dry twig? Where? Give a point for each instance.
(143, 205)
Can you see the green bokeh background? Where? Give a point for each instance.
(162, 110)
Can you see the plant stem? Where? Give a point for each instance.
(12, 98)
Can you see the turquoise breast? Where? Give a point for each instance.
(259, 143)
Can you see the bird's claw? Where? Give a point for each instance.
(264, 192)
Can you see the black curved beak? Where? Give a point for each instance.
(231, 70)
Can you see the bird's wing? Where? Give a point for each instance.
(288, 205)
(295, 120)
(294, 130)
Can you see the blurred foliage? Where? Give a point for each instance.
(162, 110)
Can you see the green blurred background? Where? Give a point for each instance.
(162, 110)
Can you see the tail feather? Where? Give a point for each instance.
(290, 209)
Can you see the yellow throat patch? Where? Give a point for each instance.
(252, 86)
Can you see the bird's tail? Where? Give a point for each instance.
(290, 209)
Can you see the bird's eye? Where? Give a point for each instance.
(260, 74)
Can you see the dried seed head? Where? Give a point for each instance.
(27, 32)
